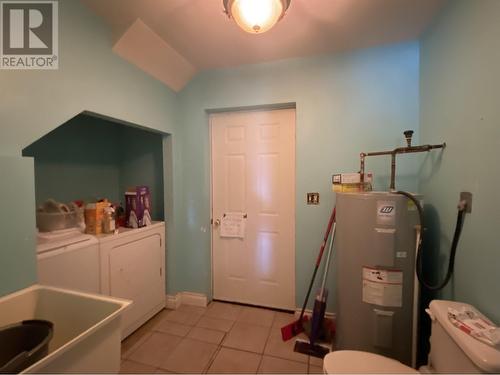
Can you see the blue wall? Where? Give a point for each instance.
(90, 78)
(17, 223)
(459, 95)
(89, 158)
(348, 103)
(78, 160)
(141, 163)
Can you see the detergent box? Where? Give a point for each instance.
(138, 207)
(351, 182)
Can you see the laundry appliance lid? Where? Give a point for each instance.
(53, 240)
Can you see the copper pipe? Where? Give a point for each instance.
(393, 171)
(362, 169)
(393, 153)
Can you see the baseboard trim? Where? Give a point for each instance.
(174, 301)
(308, 312)
(194, 299)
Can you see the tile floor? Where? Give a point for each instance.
(221, 338)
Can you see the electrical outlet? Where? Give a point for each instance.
(467, 197)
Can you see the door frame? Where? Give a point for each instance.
(253, 108)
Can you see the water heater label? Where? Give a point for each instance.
(386, 212)
(382, 287)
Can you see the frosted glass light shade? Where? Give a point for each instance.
(256, 16)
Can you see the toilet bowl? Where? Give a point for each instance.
(357, 362)
(452, 351)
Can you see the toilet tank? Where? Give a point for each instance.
(454, 351)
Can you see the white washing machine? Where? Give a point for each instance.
(128, 265)
(69, 259)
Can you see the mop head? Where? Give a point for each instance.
(316, 350)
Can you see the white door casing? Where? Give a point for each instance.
(253, 172)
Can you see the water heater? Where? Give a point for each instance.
(377, 296)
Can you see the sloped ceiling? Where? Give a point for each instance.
(185, 36)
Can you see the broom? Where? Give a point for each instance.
(294, 328)
(310, 347)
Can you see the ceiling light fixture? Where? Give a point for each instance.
(256, 16)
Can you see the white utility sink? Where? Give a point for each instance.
(87, 327)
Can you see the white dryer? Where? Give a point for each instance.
(69, 260)
(132, 267)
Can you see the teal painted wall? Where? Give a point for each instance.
(90, 78)
(17, 224)
(78, 160)
(141, 163)
(89, 158)
(459, 96)
(348, 103)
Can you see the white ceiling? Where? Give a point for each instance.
(203, 37)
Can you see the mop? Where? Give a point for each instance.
(294, 328)
(311, 347)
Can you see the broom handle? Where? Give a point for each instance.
(318, 261)
(327, 264)
(327, 234)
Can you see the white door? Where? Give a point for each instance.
(253, 174)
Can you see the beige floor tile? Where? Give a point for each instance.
(155, 349)
(281, 319)
(272, 365)
(254, 315)
(173, 328)
(190, 356)
(230, 361)
(151, 323)
(217, 324)
(276, 332)
(192, 309)
(315, 369)
(131, 367)
(207, 335)
(183, 317)
(221, 310)
(315, 361)
(132, 342)
(276, 347)
(249, 337)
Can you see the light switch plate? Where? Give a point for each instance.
(312, 198)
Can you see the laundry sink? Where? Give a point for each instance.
(86, 328)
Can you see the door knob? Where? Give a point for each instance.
(217, 222)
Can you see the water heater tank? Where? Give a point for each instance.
(377, 296)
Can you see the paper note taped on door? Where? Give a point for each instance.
(233, 225)
(382, 287)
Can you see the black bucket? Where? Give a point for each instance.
(23, 344)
